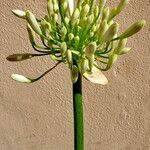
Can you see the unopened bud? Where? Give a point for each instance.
(84, 65)
(74, 73)
(90, 19)
(67, 20)
(19, 57)
(121, 45)
(110, 33)
(55, 6)
(63, 32)
(19, 13)
(112, 14)
(33, 23)
(31, 34)
(63, 48)
(50, 8)
(103, 28)
(91, 62)
(69, 57)
(85, 11)
(106, 13)
(112, 60)
(21, 78)
(102, 4)
(75, 16)
(96, 11)
(136, 27)
(71, 6)
(122, 5)
(76, 39)
(70, 36)
(125, 50)
(90, 50)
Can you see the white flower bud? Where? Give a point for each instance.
(19, 13)
(21, 78)
(33, 23)
(71, 6)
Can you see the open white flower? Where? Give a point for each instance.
(96, 76)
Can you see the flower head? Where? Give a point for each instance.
(79, 33)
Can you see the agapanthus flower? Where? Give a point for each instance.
(81, 34)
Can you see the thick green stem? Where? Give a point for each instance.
(78, 115)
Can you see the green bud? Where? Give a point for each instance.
(74, 73)
(67, 20)
(50, 8)
(55, 6)
(90, 19)
(70, 36)
(90, 50)
(112, 14)
(102, 4)
(103, 29)
(31, 34)
(75, 16)
(85, 10)
(106, 13)
(63, 32)
(122, 5)
(63, 48)
(112, 60)
(65, 5)
(21, 78)
(76, 39)
(136, 27)
(111, 32)
(96, 11)
(33, 23)
(19, 57)
(121, 45)
(19, 13)
(125, 50)
(53, 57)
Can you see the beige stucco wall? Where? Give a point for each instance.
(39, 116)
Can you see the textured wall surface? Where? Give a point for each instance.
(39, 116)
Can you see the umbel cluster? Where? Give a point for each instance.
(81, 34)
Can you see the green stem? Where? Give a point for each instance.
(78, 115)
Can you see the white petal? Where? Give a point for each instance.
(96, 76)
(20, 78)
(71, 6)
(19, 13)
